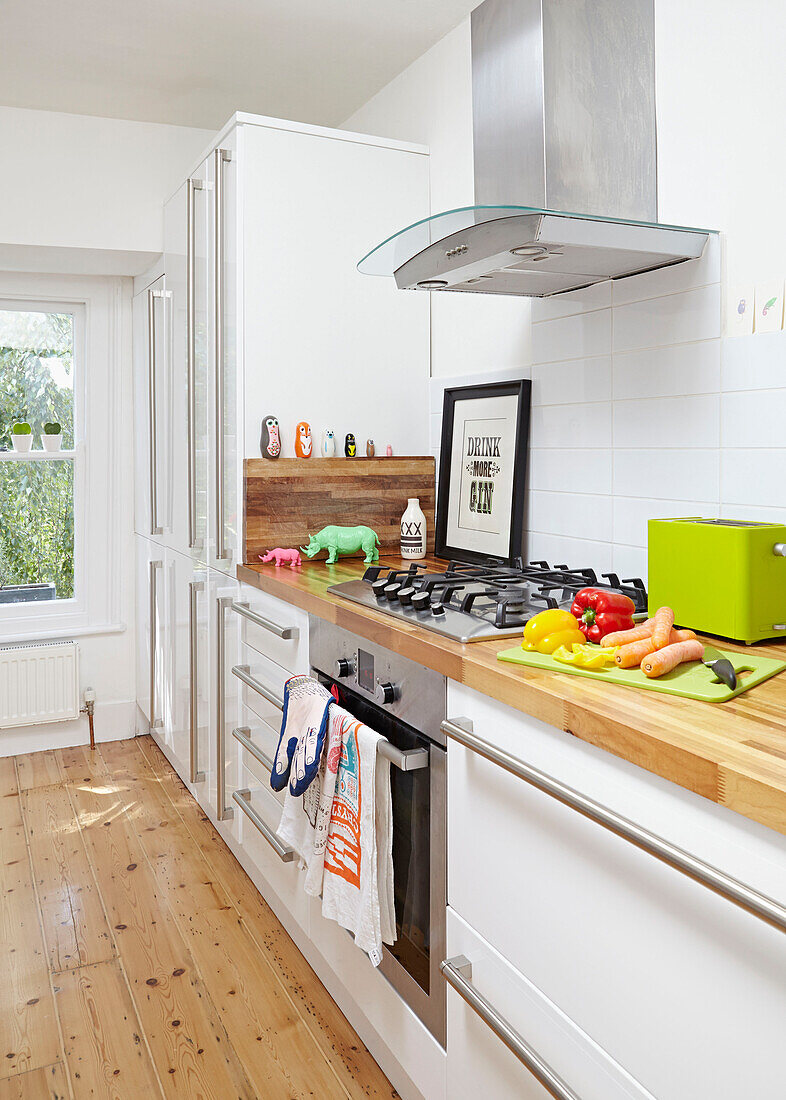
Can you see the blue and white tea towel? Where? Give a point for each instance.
(303, 730)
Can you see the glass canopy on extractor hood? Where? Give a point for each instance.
(527, 251)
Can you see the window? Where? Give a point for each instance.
(38, 370)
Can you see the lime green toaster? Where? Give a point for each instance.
(721, 576)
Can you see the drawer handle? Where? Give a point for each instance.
(245, 611)
(458, 974)
(242, 673)
(243, 799)
(761, 906)
(243, 735)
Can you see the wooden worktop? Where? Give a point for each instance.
(732, 753)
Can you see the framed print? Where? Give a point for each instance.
(482, 470)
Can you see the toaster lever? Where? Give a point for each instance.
(780, 549)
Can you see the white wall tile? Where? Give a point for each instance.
(656, 322)
(575, 553)
(755, 419)
(631, 515)
(570, 470)
(576, 337)
(571, 425)
(435, 431)
(754, 513)
(597, 296)
(630, 561)
(754, 477)
(683, 422)
(667, 474)
(672, 280)
(668, 372)
(754, 362)
(571, 514)
(576, 380)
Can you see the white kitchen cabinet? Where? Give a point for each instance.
(152, 329)
(679, 986)
(151, 652)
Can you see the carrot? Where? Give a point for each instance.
(656, 664)
(634, 652)
(635, 634)
(664, 621)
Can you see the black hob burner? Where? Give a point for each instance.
(472, 602)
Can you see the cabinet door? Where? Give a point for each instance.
(224, 425)
(151, 325)
(151, 672)
(188, 673)
(221, 766)
(186, 259)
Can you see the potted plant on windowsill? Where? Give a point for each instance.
(22, 436)
(52, 437)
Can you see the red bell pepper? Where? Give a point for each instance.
(601, 612)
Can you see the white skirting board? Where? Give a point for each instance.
(113, 721)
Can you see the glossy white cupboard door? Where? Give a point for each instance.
(225, 391)
(151, 328)
(186, 258)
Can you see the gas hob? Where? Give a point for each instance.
(472, 603)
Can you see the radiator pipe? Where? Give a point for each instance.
(88, 709)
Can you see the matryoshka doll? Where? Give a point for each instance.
(270, 440)
(328, 443)
(350, 446)
(303, 440)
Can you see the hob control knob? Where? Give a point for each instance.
(437, 609)
(345, 666)
(392, 590)
(378, 587)
(421, 601)
(387, 692)
(405, 595)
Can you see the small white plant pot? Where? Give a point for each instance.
(51, 442)
(22, 443)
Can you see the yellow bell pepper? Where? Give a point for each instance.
(586, 656)
(548, 630)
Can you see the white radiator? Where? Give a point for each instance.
(39, 683)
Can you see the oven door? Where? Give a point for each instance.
(412, 964)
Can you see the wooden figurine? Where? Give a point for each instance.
(350, 446)
(328, 443)
(371, 450)
(389, 451)
(270, 440)
(303, 442)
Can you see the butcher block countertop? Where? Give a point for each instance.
(732, 753)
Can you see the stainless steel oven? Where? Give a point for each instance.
(405, 703)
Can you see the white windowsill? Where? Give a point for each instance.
(34, 456)
(16, 638)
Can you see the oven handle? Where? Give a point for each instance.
(406, 760)
(761, 906)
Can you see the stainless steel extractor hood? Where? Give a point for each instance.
(564, 120)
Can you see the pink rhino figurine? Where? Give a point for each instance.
(281, 557)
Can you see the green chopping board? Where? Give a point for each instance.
(693, 681)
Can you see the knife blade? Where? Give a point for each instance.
(721, 666)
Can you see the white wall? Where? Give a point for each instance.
(72, 181)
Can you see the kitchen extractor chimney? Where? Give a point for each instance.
(563, 98)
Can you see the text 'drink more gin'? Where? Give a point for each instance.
(413, 530)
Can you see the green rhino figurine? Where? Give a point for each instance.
(343, 540)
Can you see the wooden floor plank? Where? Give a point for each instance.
(351, 1060)
(189, 1045)
(10, 807)
(103, 1044)
(74, 924)
(39, 769)
(47, 1083)
(80, 763)
(278, 1051)
(28, 1027)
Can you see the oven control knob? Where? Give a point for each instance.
(421, 601)
(345, 666)
(387, 692)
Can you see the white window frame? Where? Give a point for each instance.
(97, 306)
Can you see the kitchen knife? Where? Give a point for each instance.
(721, 666)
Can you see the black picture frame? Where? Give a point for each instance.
(522, 390)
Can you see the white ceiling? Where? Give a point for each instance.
(194, 62)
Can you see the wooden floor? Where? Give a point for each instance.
(137, 960)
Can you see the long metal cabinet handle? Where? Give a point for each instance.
(155, 529)
(243, 673)
(223, 812)
(243, 735)
(220, 157)
(761, 906)
(195, 775)
(154, 566)
(286, 632)
(243, 799)
(193, 186)
(458, 972)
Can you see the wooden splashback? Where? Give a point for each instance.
(290, 498)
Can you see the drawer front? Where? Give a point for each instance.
(268, 675)
(642, 958)
(284, 878)
(480, 1064)
(290, 653)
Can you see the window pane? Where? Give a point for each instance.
(36, 373)
(36, 530)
